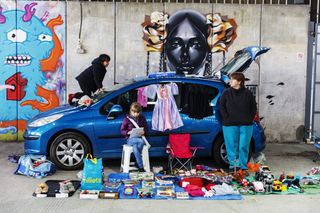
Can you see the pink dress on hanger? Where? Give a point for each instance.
(165, 115)
(142, 99)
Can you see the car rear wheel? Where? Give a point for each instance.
(220, 152)
(68, 150)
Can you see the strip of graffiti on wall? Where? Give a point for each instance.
(31, 63)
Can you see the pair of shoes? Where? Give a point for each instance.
(141, 170)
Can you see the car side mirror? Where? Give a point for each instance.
(114, 112)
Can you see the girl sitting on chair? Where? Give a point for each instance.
(137, 143)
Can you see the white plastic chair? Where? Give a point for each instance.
(125, 159)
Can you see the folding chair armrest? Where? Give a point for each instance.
(196, 147)
(170, 151)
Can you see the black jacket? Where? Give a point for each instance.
(93, 76)
(237, 107)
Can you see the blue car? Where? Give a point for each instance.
(67, 133)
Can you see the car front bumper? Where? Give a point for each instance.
(35, 141)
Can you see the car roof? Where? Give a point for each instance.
(192, 79)
(143, 81)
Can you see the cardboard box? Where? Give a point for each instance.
(109, 195)
(89, 194)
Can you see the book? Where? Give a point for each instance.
(136, 132)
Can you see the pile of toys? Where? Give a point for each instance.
(265, 182)
(203, 182)
(200, 183)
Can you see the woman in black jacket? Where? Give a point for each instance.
(90, 80)
(238, 108)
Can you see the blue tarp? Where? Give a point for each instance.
(116, 177)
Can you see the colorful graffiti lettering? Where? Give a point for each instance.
(29, 58)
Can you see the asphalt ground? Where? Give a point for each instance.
(295, 158)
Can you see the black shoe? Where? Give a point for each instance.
(141, 170)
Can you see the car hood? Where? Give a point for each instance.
(63, 109)
(241, 61)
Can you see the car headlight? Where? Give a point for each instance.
(45, 120)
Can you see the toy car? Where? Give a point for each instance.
(264, 171)
(277, 186)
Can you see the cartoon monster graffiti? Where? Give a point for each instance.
(29, 51)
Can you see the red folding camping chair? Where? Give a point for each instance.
(181, 154)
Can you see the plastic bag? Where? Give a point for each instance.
(85, 100)
(35, 166)
(92, 173)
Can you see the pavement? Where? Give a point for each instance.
(294, 158)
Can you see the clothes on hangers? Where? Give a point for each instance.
(142, 99)
(165, 115)
(196, 101)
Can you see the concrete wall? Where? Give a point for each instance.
(283, 29)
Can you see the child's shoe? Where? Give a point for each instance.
(141, 170)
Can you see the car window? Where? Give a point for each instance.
(124, 100)
(183, 99)
(128, 97)
(109, 90)
(196, 99)
(235, 63)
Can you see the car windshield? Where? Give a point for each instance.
(108, 90)
(235, 63)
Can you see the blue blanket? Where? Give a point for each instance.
(117, 177)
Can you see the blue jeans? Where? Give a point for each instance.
(237, 141)
(137, 145)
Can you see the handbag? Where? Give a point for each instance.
(35, 166)
(143, 137)
(92, 173)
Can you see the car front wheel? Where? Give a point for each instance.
(68, 150)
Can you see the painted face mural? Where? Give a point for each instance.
(186, 47)
(29, 57)
(187, 38)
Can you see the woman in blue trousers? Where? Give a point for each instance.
(238, 108)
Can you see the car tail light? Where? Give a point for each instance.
(256, 118)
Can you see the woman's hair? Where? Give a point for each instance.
(239, 77)
(104, 57)
(136, 107)
(197, 20)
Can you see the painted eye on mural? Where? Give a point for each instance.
(44, 37)
(195, 43)
(176, 42)
(17, 35)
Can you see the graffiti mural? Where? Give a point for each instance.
(187, 39)
(31, 63)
